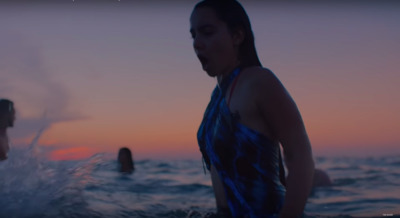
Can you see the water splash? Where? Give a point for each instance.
(29, 181)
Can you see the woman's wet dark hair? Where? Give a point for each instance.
(6, 105)
(233, 14)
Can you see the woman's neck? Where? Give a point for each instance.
(226, 73)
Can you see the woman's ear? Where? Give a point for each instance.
(238, 36)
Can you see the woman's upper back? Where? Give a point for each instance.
(255, 87)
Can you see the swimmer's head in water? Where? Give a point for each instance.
(7, 113)
(125, 160)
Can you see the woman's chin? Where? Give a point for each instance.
(211, 73)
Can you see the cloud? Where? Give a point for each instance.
(25, 79)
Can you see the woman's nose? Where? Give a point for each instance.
(198, 44)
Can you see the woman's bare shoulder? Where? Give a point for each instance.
(261, 79)
(257, 71)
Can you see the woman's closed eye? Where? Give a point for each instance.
(207, 31)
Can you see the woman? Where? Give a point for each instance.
(7, 118)
(250, 114)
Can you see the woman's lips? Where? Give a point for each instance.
(203, 61)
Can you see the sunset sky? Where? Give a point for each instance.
(112, 74)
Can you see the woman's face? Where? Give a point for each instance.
(214, 45)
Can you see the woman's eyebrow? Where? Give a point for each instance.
(202, 27)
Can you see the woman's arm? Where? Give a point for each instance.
(218, 189)
(284, 121)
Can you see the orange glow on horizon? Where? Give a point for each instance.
(73, 153)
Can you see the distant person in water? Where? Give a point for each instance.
(7, 118)
(125, 161)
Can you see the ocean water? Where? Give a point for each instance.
(32, 186)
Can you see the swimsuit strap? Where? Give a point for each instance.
(228, 80)
(233, 88)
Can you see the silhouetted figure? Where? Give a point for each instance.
(250, 114)
(125, 161)
(7, 118)
(321, 178)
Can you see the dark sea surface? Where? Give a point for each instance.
(32, 186)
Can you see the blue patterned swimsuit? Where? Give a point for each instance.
(248, 163)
